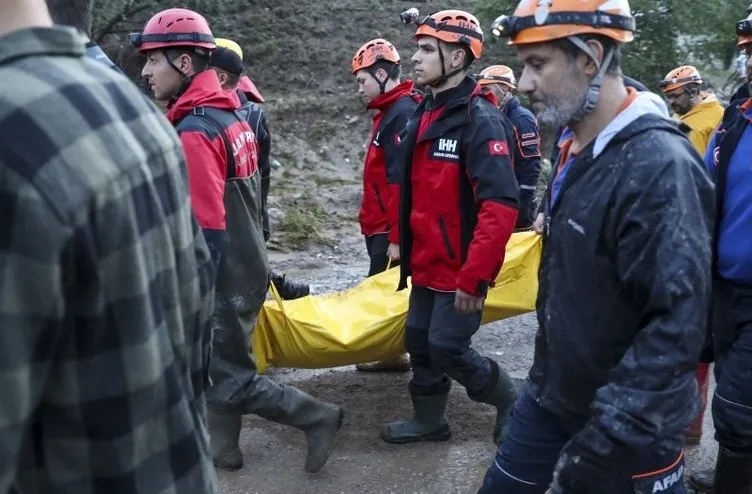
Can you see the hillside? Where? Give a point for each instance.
(299, 54)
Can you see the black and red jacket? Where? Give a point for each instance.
(459, 193)
(379, 210)
(198, 114)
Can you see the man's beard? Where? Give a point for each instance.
(559, 110)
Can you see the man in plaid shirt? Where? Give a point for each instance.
(105, 278)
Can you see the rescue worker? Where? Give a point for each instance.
(727, 160)
(699, 114)
(78, 14)
(224, 183)
(624, 281)
(641, 88)
(500, 81)
(458, 210)
(376, 68)
(106, 279)
(227, 62)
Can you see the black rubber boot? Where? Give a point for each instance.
(702, 482)
(319, 420)
(428, 422)
(289, 290)
(224, 431)
(733, 473)
(502, 393)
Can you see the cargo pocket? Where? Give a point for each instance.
(668, 480)
(445, 238)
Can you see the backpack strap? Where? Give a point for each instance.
(200, 111)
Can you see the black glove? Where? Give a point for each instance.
(588, 464)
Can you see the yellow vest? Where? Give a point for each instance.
(702, 119)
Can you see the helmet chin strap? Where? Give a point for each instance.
(444, 76)
(594, 89)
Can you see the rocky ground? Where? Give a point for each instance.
(361, 462)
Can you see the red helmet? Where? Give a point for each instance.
(174, 28)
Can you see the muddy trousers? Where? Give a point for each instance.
(732, 339)
(377, 246)
(525, 461)
(235, 385)
(438, 340)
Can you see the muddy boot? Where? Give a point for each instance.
(428, 422)
(289, 290)
(733, 473)
(702, 481)
(224, 430)
(693, 434)
(397, 364)
(319, 421)
(502, 394)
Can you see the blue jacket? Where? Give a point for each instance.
(728, 161)
(527, 157)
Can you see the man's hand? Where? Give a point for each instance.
(393, 252)
(464, 303)
(540, 220)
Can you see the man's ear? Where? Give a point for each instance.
(382, 76)
(185, 64)
(590, 68)
(223, 78)
(458, 58)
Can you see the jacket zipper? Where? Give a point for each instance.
(445, 237)
(378, 197)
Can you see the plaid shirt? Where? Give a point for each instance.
(105, 283)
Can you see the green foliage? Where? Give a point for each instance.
(669, 33)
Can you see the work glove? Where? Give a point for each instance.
(588, 464)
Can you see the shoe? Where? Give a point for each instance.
(733, 473)
(318, 420)
(224, 431)
(428, 422)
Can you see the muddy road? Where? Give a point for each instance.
(361, 462)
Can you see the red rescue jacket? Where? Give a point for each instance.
(379, 210)
(459, 194)
(198, 115)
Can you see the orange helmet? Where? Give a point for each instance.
(744, 31)
(174, 28)
(372, 52)
(453, 26)
(680, 77)
(497, 74)
(539, 21)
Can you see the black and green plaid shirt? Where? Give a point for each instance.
(105, 283)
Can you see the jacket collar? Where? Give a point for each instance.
(38, 41)
(383, 101)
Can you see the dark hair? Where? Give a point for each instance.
(74, 13)
(572, 51)
(199, 57)
(232, 79)
(393, 70)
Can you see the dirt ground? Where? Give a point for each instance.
(361, 462)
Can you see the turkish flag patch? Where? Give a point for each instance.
(498, 148)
